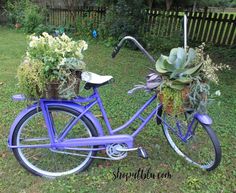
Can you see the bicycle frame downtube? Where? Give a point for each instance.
(136, 115)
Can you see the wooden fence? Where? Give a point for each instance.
(217, 28)
(65, 17)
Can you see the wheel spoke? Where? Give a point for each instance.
(202, 146)
(50, 162)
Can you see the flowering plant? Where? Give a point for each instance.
(186, 77)
(60, 58)
(54, 50)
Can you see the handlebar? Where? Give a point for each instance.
(118, 47)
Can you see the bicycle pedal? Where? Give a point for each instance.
(142, 153)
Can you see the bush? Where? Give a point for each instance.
(123, 18)
(84, 26)
(44, 28)
(33, 17)
(28, 14)
(162, 44)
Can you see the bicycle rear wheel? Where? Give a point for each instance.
(49, 162)
(202, 148)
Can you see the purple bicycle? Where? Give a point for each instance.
(53, 138)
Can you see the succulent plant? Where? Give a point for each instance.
(178, 67)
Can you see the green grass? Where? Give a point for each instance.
(128, 69)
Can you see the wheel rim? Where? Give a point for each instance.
(199, 148)
(43, 160)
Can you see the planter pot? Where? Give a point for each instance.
(52, 90)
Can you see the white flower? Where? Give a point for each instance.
(83, 45)
(45, 34)
(64, 37)
(218, 93)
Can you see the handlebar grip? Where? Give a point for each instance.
(115, 51)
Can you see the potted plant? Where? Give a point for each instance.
(186, 75)
(60, 60)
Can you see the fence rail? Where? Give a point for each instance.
(217, 28)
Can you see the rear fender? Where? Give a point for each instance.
(75, 106)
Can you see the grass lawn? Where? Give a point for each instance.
(128, 69)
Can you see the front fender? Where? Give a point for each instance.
(75, 106)
(203, 118)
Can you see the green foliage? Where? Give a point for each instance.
(28, 14)
(31, 78)
(172, 98)
(85, 26)
(190, 68)
(123, 18)
(33, 17)
(199, 92)
(15, 10)
(61, 57)
(44, 28)
(176, 68)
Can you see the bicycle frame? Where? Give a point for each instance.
(101, 140)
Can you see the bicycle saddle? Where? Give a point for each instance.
(94, 80)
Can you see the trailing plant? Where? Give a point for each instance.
(31, 79)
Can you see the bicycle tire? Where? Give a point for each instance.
(33, 168)
(182, 147)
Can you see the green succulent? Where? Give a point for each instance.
(178, 68)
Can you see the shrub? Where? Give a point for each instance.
(28, 14)
(33, 17)
(84, 26)
(123, 18)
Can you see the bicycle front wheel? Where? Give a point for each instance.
(201, 148)
(51, 162)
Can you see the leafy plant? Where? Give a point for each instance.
(189, 69)
(123, 18)
(85, 26)
(31, 79)
(15, 10)
(33, 17)
(26, 13)
(60, 57)
(176, 68)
